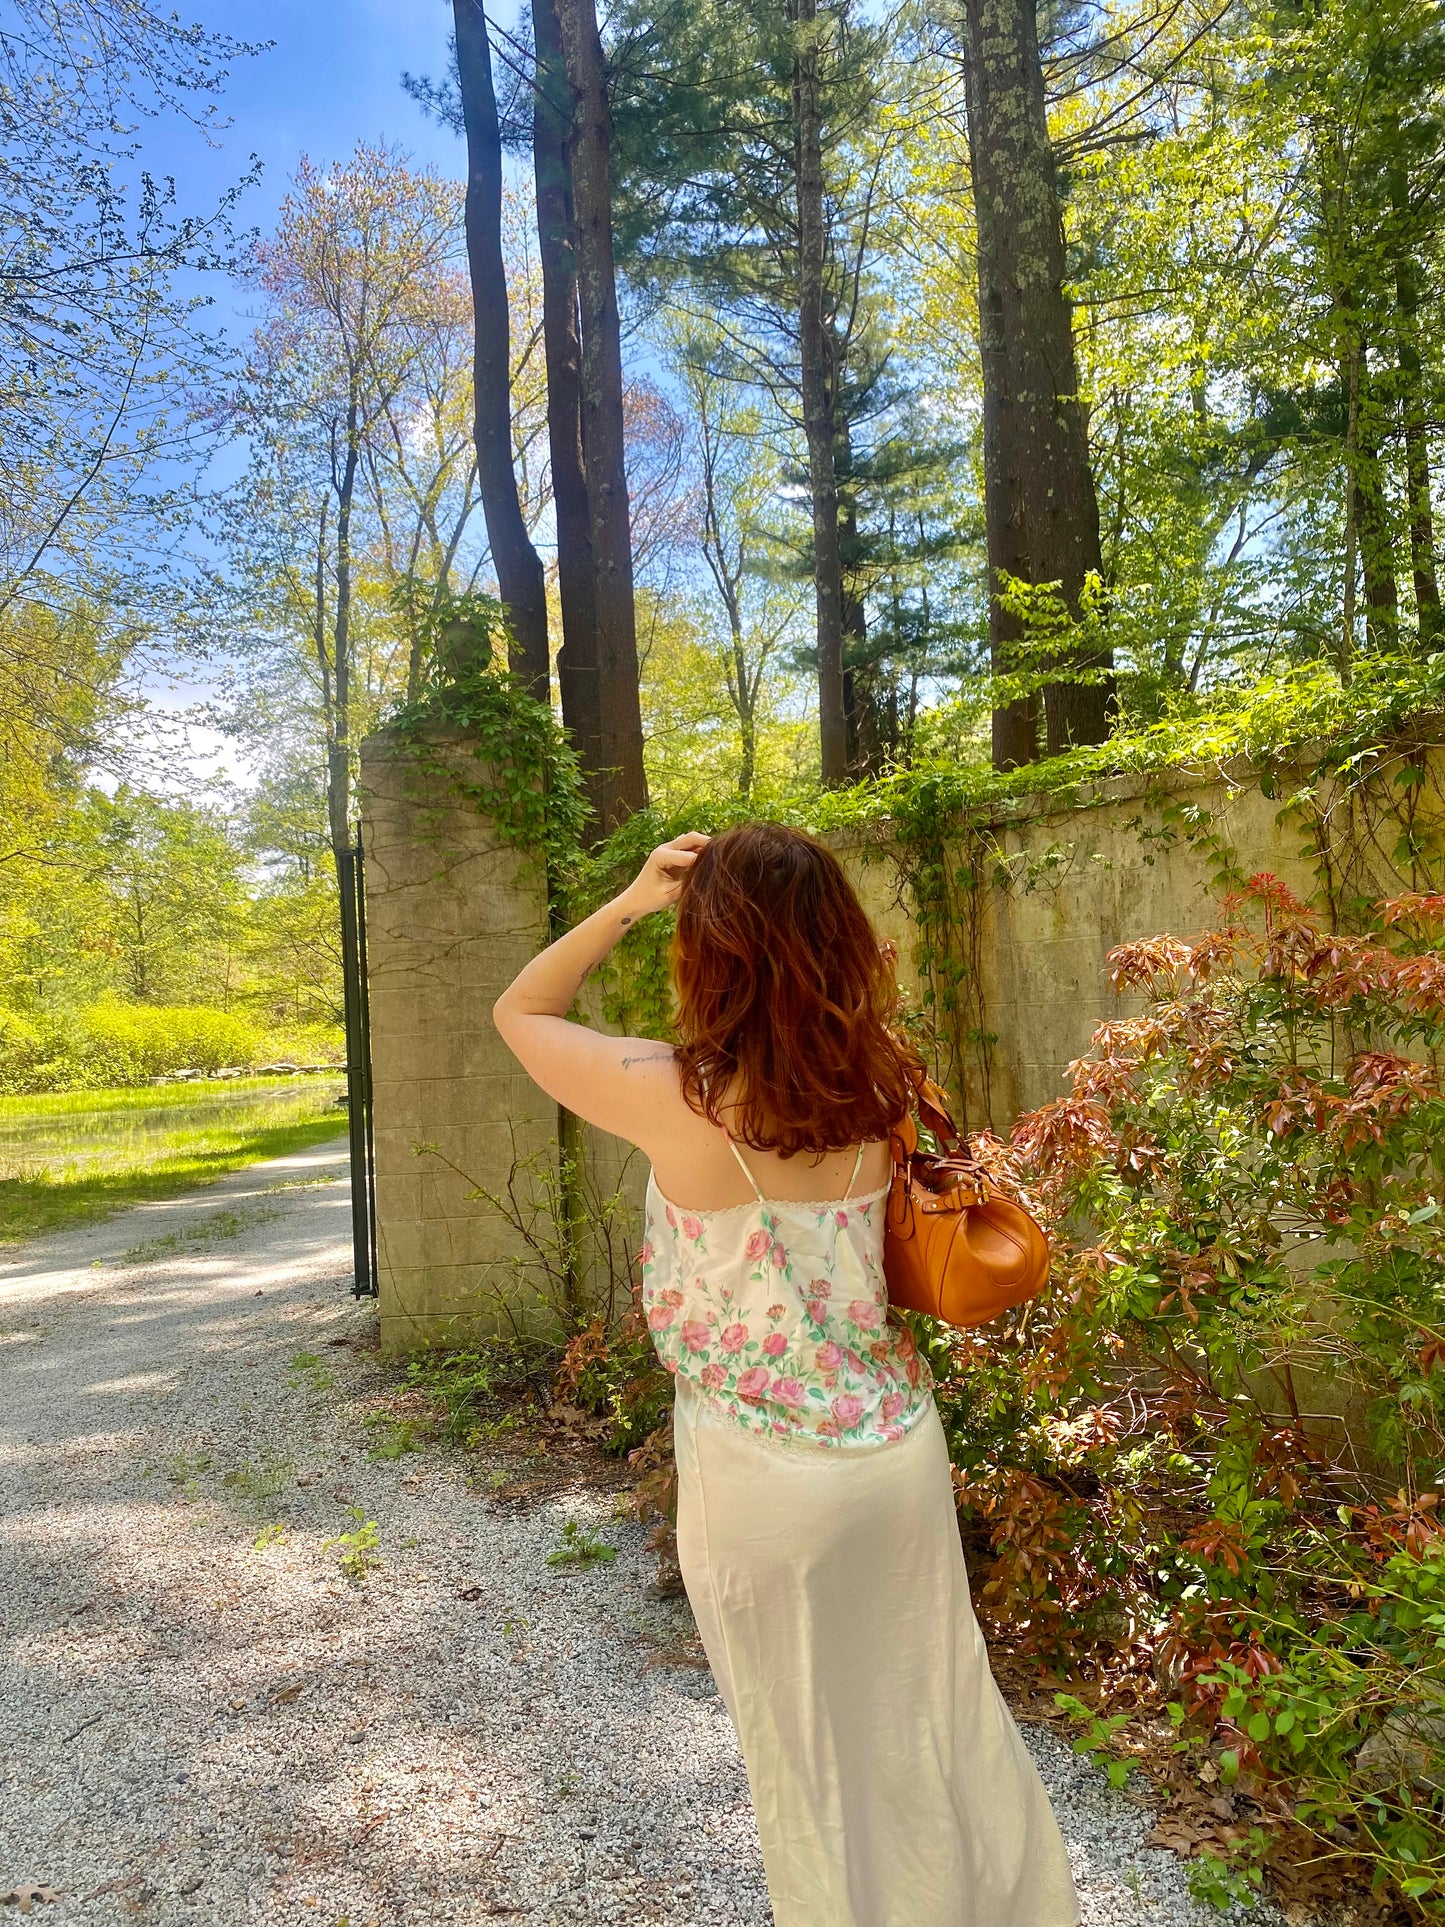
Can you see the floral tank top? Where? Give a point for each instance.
(776, 1312)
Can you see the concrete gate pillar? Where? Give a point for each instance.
(452, 914)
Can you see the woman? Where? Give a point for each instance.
(816, 1526)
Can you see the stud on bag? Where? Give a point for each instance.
(952, 1246)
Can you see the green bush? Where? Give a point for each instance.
(22, 1047)
(1216, 1450)
(110, 1043)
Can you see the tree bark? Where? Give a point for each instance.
(623, 782)
(1372, 519)
(1041, 510)
(817, 388)
(562, 340)
(1345, 649)
(520, 580)
(338, 747)
(1414, 422)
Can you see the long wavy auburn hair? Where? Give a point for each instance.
(784, 997)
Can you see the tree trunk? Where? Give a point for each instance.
(1345, 651)
(520, 581)
(1414, 423)
(817, 388)
(1041, 511)
(1372, 517)
(338, 745)
(862, 718)
(551, 168)
(623, 780)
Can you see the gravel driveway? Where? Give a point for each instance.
(203, 1720)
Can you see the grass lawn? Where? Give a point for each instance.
(77, 1156)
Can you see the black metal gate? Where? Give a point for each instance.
(351, 880)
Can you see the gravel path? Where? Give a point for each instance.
(197, 1727)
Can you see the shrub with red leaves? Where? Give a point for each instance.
(1209, 1456)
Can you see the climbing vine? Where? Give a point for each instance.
(1349, 769)
(476, 736)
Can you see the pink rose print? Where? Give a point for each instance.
(827, 1429)
(914, 1375)
(892, 1406)
(817, 1310)
(830, 1357)
(695, 1334)
(780, 1257)
(714, 1377)
(847, 1409)
(660, 1317)
(753, 1383)
(691, 1227)
(670, 1216)
(890, 1432)
(820, 1288)
(855, 1361)
(671, 1364)
(775, 1311)
(757, 1244)
(842, 1220)
(733, 1338)
(644, 1257)
(672, 1296)
(904, 1342)
(866, 1313)
(789, 1391)
(775, 1344)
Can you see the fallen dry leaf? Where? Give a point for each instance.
(27, 1894)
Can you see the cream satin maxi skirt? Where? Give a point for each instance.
(890, 1783)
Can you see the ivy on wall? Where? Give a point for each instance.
(1349, 768)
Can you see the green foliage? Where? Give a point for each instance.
(306, 1369)
(467, 1386)
(1097, 1741)
(522, 773)
(111, 1044)
(1219, 1444)
(357, 1551)
(391, 1437)
(579, 1547)
(256, 1488)
(613, 1372)
(1222, 1883)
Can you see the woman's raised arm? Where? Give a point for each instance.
(621, 1084)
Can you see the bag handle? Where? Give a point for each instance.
(952, 1165)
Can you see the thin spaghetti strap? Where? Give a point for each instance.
(857, 1167)
(747, 1173)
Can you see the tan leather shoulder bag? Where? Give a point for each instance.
(953, 1246)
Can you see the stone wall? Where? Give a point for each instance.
(1057, 888)
(453, 916)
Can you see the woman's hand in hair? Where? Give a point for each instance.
(627, 1085)
(659, 881)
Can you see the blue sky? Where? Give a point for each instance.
(332, 78)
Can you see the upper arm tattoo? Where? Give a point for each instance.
(663, 1053)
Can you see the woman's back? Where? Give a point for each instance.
(775, 1311)
(695, 1169)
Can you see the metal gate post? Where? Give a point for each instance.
(351, 884)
